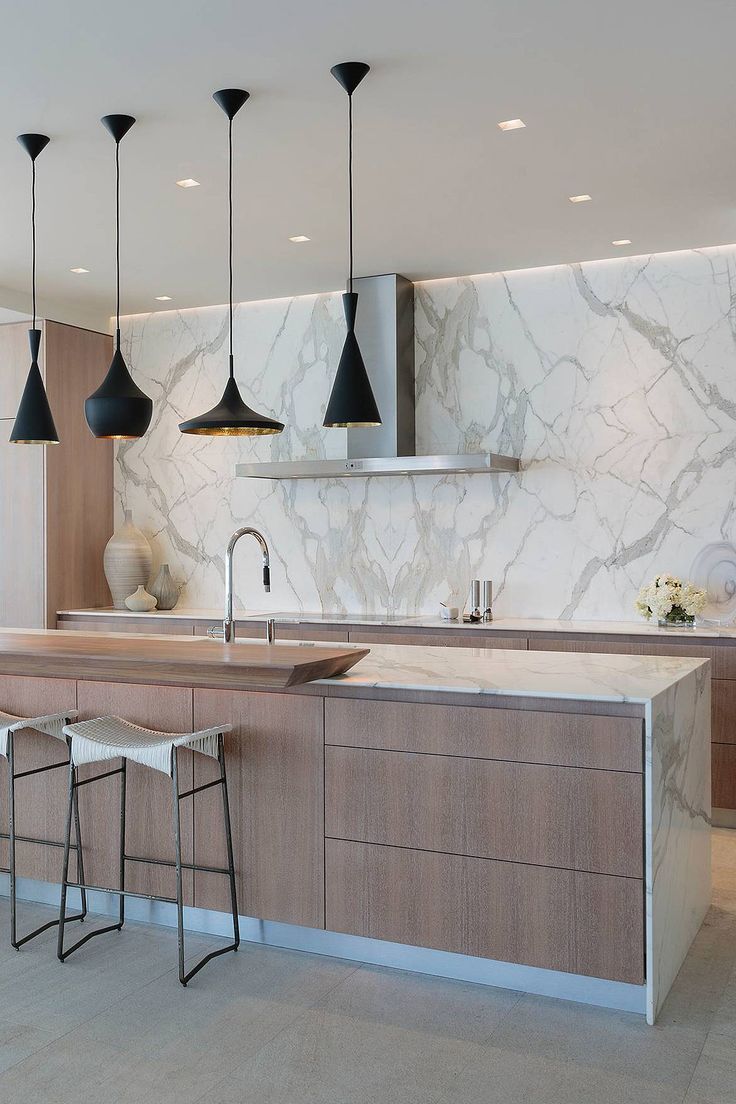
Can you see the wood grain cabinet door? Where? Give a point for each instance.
(275, 764)
(567, 920)
(22, 582)
(520, 812)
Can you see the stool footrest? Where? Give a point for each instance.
(97, 777)
(170, 862)
(40, 770)
(121, 892)
(32, 839)
(198, 789)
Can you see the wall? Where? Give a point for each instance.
(614, 381)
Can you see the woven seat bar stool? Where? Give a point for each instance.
(107, 738)
(10, 728)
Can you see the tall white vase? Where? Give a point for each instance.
(127, 561)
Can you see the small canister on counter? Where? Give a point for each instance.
(487, 603)
(474, 613)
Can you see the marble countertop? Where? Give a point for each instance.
(499, 671)
(500, 626)
(587, 677)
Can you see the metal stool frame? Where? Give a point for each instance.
(13, 838)
(122, 892)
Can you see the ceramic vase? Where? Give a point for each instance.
(141, 601)
(127, 561)
(164, 589)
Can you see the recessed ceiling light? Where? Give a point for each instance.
(188, 183)
(79, 270)
(580, 199)
(622, 241)
(163, 298)
(300, 238)
(512, 124)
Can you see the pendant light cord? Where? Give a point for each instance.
(33, 241)
(350, 191)
(117, 242)
(230, 233)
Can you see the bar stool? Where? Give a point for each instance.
(106, 738)
(50, 725)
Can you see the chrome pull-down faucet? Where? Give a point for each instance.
(228, 624)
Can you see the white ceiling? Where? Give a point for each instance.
(632, 102)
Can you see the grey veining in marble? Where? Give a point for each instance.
(614, 381)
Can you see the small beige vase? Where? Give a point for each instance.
(141, 601)
(127, 561)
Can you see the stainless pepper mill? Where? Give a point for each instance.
(487, 605)
(475, 613)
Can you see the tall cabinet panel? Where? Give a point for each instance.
(56, 501)
(22, 601)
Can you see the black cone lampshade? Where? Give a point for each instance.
(118, 409)
(351, 401)
(231, 417)
(34, 422)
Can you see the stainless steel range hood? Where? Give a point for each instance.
(385, 332)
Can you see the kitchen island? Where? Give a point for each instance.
(538, 820)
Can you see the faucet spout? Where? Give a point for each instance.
(228, 624)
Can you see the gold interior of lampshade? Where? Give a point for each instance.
(23, 441)
(231, 431)
(353, 425)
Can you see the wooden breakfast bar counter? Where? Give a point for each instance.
(538, 820)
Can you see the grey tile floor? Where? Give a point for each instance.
(265, 1026)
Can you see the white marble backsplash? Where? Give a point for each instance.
(614, 381)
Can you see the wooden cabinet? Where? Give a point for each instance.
(521, 812)
(722, 656)
(451, 638)
(723, 694)
(244, 630)
(140, 625)
(275, 763)
(723, 712)
(558, 919)
(440, 834)
(311, 632)
(518, 735)
(57, 500)
(22, 574)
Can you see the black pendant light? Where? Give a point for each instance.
(351, 401)
(34, 422)
(118, 409)
(231, 417)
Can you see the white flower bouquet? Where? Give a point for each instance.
(671, 601)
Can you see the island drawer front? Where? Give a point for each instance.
(723, 657)
(723, 711)
(519, 735)
(564, 920)
(449, 639)
(521, 812)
